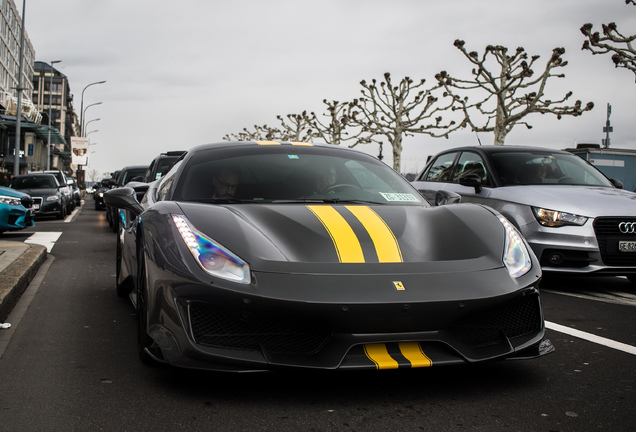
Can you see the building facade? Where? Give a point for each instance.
(34, 135)
(51, 90)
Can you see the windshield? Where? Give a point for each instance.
(544, 168)
(286, 174)
(34, 182)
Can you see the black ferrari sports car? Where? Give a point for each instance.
(252, 256)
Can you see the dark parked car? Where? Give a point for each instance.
(100, 189)
(67, 190)
(77, 193)
(254, 256)
(15, 210)
(575, 219)
(47, 193)
(124, 176)
(161, 165)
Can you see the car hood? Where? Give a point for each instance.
(11, 192)
(586, 201)
(39, 192)
(459, 238)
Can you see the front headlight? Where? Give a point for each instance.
(211, 256)
(516, 256)
(52, 198)
(553, 218)
(9, 200)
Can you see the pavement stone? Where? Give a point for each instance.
(19, 263)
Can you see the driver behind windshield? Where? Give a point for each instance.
(324, 179)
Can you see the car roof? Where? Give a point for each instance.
(234, 144)
(492, 149)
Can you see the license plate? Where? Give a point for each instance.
(627, 246)
(36, 206)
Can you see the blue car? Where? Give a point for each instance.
(15, 210)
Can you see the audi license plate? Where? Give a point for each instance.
(627, 246)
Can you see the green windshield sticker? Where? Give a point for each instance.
(399, 197)
(293, 156)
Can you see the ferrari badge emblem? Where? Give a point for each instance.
(399, 286)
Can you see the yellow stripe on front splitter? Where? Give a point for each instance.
(267, 142)
(344, 239)
(386, 245)
(412, 351)
(378, 354)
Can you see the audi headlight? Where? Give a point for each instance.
(9, 200)
(52, 198)
(553, 218)
(516, 256)
(211, 256)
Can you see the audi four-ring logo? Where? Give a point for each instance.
(627, 227)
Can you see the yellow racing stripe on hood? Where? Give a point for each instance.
(379, 355)
(344, 239)
(386, 245)
(412, 351)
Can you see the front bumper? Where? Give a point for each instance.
(591, 248)
(14, 218)
(205, 328)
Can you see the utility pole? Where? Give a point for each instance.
(607, 129)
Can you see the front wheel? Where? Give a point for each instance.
(124, 288)
(143, 338)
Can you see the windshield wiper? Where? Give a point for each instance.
(324, 201)
(224, 201)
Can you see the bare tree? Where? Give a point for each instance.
(612, 41)
(336, 129)
(260, 133)
(508, 92)
(394, 112)
(297, 128)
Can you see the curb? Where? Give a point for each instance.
(17, 276)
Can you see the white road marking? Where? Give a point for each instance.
(46, 239)
(607, 297)
(591, 338)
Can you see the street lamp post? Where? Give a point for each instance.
(82, 104)
(82, 125)
(16, 161)
(86, 125)
(48, 143)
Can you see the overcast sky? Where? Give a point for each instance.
(188, 72)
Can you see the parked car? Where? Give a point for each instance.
(15, 210)
(77, 193)
(47, 193)
(100, 189)
(248, 256)
(124, 176)
(161, 165)
(67, 189)
(575, 219)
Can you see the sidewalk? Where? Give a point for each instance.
(19, 262)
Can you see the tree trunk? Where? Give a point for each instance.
(396, 145)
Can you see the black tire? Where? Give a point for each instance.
(62, 213)
(125, 288)
(143, 338)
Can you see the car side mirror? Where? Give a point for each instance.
(444, 197)
(471, 180)
(123, 198)
(617, 183)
